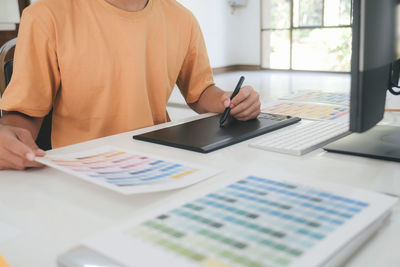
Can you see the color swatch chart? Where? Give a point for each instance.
(308, 111)
(127, 169)
(254, 222)
(320, 97)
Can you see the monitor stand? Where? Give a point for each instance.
(381, 142)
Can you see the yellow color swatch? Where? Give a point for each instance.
(213, 263)
(185, 173)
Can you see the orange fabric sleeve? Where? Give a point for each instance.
(36, 76)
(3, 262)
(196, 74)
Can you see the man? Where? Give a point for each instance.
(105, 67)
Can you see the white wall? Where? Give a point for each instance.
(231, 39)
(247, 35)
(9, 15)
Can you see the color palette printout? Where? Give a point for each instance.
(128, 172)
(309, 111)
(342, 99)
(254, 222)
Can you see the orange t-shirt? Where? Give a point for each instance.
(102, 69)
(3, 262)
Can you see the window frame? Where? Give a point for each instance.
(292, 28)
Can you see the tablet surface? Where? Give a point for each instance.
(205, 135)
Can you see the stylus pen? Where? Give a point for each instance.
(228, 109)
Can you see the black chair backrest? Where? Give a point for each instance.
(43, 139)
(8, 69)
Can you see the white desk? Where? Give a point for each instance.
(54, 211)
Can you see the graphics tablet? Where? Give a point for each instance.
(205, 135)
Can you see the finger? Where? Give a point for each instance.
(20, 149)
(252, 97)
(40, 153)
(26, 137)
(243, 94)
(246, 106)
(34, 164)
(4, 165)
(14, 153)
(13, 162)
(250, 113)
(251, 116)
(225, 99)
(17, 162)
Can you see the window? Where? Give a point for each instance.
(306, 34)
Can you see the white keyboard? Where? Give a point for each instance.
(302, 137)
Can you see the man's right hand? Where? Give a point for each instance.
(18, 149)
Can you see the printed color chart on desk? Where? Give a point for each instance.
(129, 172)
(308, 111)
(342, 99)
(254, 222)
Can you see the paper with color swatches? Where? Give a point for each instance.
(254, 222)
(128, 172)
(309, 111)
(342, 99)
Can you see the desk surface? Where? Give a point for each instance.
(54, 211)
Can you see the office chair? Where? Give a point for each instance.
(43, 139)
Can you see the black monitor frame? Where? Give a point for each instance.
(374, 51)
(374, 71)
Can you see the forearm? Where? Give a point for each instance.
(20, 120)
(209, 101)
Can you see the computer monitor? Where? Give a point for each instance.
(373, 71)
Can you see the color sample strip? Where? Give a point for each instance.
(320, 97)
(308, 111)
(254, 222)
(125, 169)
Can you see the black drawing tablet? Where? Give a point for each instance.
(205, 135)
